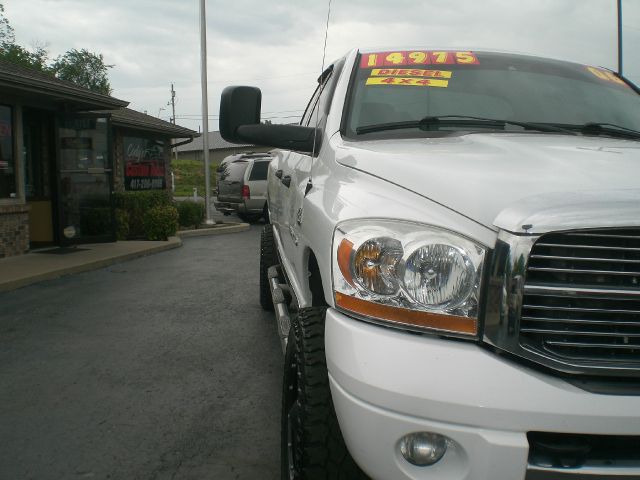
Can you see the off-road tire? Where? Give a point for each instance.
(312, 444)
(268, 258)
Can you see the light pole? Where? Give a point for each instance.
(205, 112)
(619, 37)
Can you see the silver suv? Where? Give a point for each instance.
(242, 186)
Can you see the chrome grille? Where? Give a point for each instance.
(581, 299)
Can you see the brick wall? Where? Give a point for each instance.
(14, 230)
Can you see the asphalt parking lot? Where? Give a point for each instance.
(164, 367)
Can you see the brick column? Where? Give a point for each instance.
(14, 230)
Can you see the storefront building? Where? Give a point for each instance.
(64, 150)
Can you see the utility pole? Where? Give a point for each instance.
(205, 112)
(173, 105)
(173, 117)
(619, 37)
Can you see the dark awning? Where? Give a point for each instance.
(133, 119)
(21, 80)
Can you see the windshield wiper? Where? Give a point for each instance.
(433, 122)
(594, 128)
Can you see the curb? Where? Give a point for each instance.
(226, 228)
(172, 242)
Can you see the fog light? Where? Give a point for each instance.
(423, 448)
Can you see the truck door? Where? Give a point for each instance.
(295, 169)
(283, 183)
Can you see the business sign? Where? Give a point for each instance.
(76, 143)
(144, 164)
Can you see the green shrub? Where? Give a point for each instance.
(160, 222)
(190, 213)
(138, 204)
(122, 224)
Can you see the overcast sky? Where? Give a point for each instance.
(277, 45)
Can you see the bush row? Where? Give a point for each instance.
(134, 206)
(153, 215)
(190, 213)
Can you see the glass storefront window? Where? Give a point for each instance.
(8, 181)
(144, 160)
(85, 179)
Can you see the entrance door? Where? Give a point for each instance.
(85, 179)
(39, 167)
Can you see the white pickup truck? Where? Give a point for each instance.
(454, 263)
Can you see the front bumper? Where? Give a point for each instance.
(386, 383)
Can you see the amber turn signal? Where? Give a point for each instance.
(344, 259)
(412, 318)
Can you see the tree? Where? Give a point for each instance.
(83, 68)
(11, 51)
(6, 30)
(36, 59)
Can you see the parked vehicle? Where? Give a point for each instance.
(454, 263)
(242, 186)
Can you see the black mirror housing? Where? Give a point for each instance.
(289, 137)
(240, 123)
(238, 106)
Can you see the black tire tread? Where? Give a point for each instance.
(321, 447)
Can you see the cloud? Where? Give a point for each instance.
(278, 45)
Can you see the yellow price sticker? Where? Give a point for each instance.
(408, 81)
(606, 75)
(409, 72)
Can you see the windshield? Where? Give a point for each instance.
(410, 86)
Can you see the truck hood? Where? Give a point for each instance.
(539, 181)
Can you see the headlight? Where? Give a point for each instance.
(416, 276)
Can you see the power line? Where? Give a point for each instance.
(268, 113)
(267, 78)
(215, 117)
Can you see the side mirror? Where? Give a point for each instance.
(240, 123)
(238, 106)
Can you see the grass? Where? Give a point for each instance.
(189, 174)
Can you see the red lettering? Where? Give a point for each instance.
(137, 170)
(157, 171)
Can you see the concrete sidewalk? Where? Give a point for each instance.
(47, 264)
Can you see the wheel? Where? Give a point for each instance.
(312, 445)
(268, 258)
